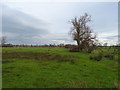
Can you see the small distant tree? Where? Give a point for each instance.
(3, 40)
(82, 33)
(105, 44)
(61, 44)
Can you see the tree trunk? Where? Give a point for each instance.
(78, 43)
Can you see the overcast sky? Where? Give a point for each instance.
(48, 23)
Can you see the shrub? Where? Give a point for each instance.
(109, 56)
(68, 46)
(110, 53)
(96, 57)
(74, 49)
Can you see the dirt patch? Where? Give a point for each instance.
(6, 61)
(38, 56)
(5, 71)
(9, 67)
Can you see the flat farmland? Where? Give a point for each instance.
(55, 67)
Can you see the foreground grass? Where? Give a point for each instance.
(50, 67)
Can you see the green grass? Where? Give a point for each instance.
(53, 67)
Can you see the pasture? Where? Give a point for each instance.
(55, 67)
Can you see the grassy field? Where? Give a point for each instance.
(53, 67)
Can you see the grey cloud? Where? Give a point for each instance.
(22, 26)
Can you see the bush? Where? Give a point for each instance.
(109, 56)
(69, 46)
(74, 49)
(107, 53)
(96, 57)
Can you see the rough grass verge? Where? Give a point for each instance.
(38, 56)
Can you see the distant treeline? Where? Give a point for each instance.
(23, 45)
(50, 45)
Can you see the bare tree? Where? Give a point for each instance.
(105, 44)
(82, 33)
(3, 40)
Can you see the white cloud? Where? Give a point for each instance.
(111, 40)
(64, 42)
